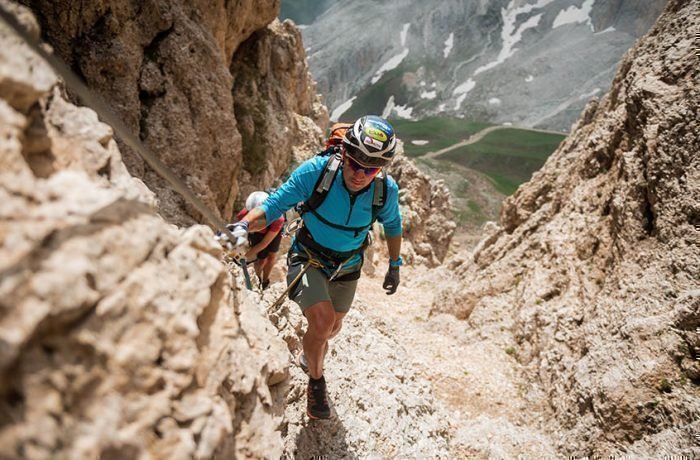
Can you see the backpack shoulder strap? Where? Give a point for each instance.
(379, 198)
(324, 182)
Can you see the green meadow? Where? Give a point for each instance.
(439, 132)
(507, 156)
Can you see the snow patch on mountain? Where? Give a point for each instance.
(510, 36)
(404, 33)
(449, 43)
(512, 42)
(589, 94)
(574, 15)
(403, 111)
(391, 64)
(342, 108)
(462, 91)
(495, 101)
(465, 87)
(609, 29)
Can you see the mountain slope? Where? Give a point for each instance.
(533, 63)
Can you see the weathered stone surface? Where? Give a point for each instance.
(121, 336)
(22, 85)
(166, 69)
(426, 211)
(383, 406)
(275, 101)
(594, 264)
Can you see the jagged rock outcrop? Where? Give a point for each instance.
(124, 336)
(168, 69)
(276, 113)
(594, 265)
(121, 336)
(426, 211)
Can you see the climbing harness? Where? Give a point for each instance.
(311, 261)
(121, 130)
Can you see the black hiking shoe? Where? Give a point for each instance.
(264, 284)
(317, 406)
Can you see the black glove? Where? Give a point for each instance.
(391, 280)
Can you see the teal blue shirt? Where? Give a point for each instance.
(339, 207)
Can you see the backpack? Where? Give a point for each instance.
(337, 133)
(325, 180)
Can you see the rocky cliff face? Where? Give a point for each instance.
(277, 110)
(534, 63)
(124, 336)
(169, 69)
(594, 265)
(120, 335)
(426, 210)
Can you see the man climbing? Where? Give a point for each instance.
(343, 191)
(264, 243)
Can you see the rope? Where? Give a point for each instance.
(246, 275)
(311, 262)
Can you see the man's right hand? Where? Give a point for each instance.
(239, 230)
(391, 280)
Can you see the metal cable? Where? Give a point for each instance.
(95, 102)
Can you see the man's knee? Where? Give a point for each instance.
(338, 324)
(321, 318)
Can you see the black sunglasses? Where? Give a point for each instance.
(355, 166)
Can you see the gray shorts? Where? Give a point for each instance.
(314, 287)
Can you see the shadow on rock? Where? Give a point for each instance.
(323, 439)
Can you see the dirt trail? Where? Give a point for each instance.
(474, 138)
(495, 413)
(408, 384)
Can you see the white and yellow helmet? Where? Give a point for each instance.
(371, 141)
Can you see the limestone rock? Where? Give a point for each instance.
(276, 108)
(121, 336)
(594, 263)
(426, 211)
(168, 70)
(382, 406)
(22, 85)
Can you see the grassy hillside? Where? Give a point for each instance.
(439, 132)
(481, 174)
(508, 156)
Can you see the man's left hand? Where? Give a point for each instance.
(251, 254)
(391, 280)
